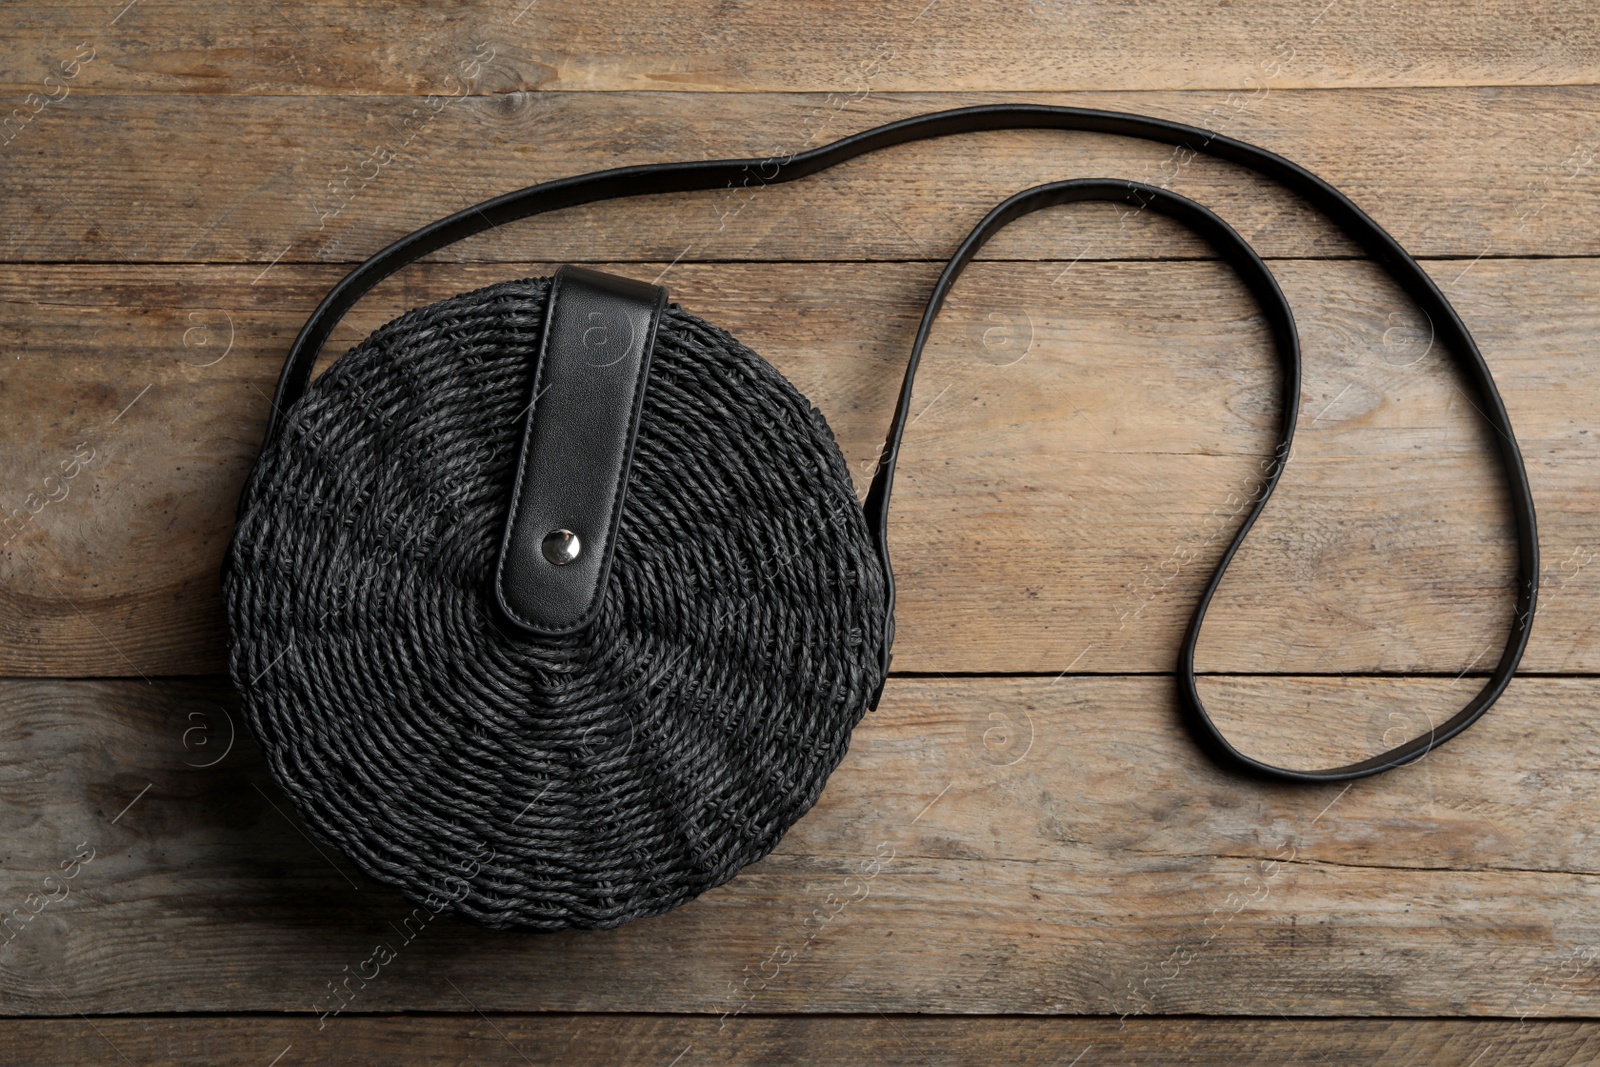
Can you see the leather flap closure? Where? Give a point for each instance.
(577, 447)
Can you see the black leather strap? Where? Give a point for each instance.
(679, 177)
(577, 445)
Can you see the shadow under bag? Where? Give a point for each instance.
(553, 605)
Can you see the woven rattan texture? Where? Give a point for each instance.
(549, 783)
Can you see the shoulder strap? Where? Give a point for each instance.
(680, 177)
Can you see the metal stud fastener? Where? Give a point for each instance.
(561, 547)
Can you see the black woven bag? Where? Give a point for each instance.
(553, 605)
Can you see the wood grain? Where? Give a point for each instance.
(692, 1040)
(1464, 172)
(989, 845)
(1109, 459)
(339, 46)
(180, 184)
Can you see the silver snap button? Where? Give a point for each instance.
(561, 547)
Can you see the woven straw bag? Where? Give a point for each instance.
(553, 605)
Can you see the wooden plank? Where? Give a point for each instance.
(775, 1041)
(1110, 458)
(322, 46)
(988, 846)
(1456, 172)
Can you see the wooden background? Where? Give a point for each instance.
(1036, 864)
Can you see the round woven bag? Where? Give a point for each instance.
(584, 780)
(426, 688)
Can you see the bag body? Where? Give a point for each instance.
(588, 778)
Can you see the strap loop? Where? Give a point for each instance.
(688, 176)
